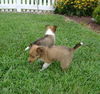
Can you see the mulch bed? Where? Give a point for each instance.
(87, 21)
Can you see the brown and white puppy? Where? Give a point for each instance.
(54, 53)
(47, 40)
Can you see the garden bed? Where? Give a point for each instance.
(87, 21)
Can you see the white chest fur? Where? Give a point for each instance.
(50, 32)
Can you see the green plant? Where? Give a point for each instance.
(76, 7)
(96, 14)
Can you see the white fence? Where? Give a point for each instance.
(26, 5)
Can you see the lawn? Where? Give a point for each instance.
(17, 76)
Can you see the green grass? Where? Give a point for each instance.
(17, 76)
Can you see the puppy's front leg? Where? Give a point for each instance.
(45, 66)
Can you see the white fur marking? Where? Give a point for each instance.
(45, 66)
(49, 32)
(27, 48)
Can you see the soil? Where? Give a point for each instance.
(87, 21)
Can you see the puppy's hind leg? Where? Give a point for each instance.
(45, 66)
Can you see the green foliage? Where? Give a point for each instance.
(17, 76)
(76, 7)
(96, 14)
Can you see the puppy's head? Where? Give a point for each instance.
(35, 53)
(52, 27)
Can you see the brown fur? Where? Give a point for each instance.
(55, 53)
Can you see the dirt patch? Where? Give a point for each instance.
(87, 21)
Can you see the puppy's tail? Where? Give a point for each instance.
(27, 48)
(77, 45)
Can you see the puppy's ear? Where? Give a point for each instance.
(54, 28)
(40, 50)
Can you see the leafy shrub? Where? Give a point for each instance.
(75, 7)
(96, 14)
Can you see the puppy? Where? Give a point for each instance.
(54, 53)
(47, 40)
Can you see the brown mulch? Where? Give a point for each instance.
(87, 21)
